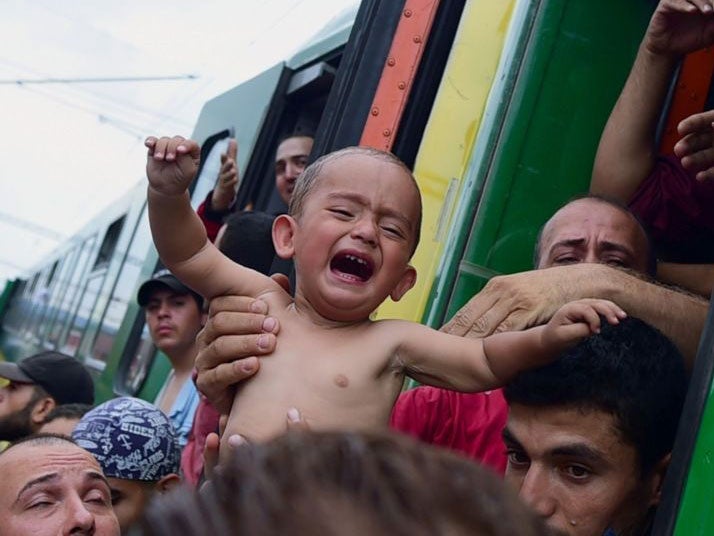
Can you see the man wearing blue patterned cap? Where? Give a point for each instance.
(135, 444)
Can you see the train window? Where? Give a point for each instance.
(106, 250)
(83, 313)
(211, 152)
(72, 294)
(13, 319)
(40, 299)
(58, 293)
(133, 372)
(123, 293)
(53, 271)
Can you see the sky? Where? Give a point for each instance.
(68, 150)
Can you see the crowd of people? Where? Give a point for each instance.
(550, 403)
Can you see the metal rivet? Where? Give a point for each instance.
(407, 12)
(417, 39)
(401, 85)
(391, 62)
(386, 132)
(375, 111)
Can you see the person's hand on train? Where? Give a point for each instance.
(678, 27)
(696, 148)
(227, 183)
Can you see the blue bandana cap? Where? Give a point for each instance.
(131, 439)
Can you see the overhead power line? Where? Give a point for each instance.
(23, 81)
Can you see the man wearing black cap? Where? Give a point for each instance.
(35, 386)
(174, 316)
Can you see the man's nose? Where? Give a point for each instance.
(591, 256)
(79, 519)
(164, 310)
(536, 492)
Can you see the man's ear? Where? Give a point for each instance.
(407, 281)
(167, 483)
(284, 228)
(41, 408)
(657, 479)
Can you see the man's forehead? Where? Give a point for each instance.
(33, 460)
(545, 430)
(583, 210)
(294, 146)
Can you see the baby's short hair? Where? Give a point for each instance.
(308, 180)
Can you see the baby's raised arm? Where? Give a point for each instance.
(179, 234)
(463, 364)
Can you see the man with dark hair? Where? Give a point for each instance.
(290, 161)
(589, 436)
(348, 484)
(62, 419)
(35, 386)
(174, 316)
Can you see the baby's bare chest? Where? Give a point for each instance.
(336, 380)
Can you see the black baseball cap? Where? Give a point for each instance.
(165, 279)
(63, 377)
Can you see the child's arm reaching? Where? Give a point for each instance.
(179, 234)
(443, 360)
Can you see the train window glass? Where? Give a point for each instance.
(32, 297)
(40, 301)
(58, 293)
(80, 322)
(72, 294)
(123, 293)
(17, 311)
(138, 367)
(109, 243)
(53, 271)
(209, 171)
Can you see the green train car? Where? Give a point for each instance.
(497, 106)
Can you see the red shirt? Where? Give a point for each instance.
(678, 211)
(470, 423)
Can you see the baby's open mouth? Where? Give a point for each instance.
(351, 266)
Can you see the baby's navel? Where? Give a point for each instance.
(341, 380)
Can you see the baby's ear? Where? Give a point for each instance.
(407, 281)
(283, 236)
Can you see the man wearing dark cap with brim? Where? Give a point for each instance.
(35, 386)
(174, 316)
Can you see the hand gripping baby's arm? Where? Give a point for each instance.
(512, 352)
(443, 360)
(179, 234)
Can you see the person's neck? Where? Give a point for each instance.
(304, 308)
(182, 361)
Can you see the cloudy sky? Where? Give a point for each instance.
(69, 149)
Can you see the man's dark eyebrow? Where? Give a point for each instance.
(49, 477)
(580, 451)
(95, 475)
(573, 242)
(612, 246)
(508, 437)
